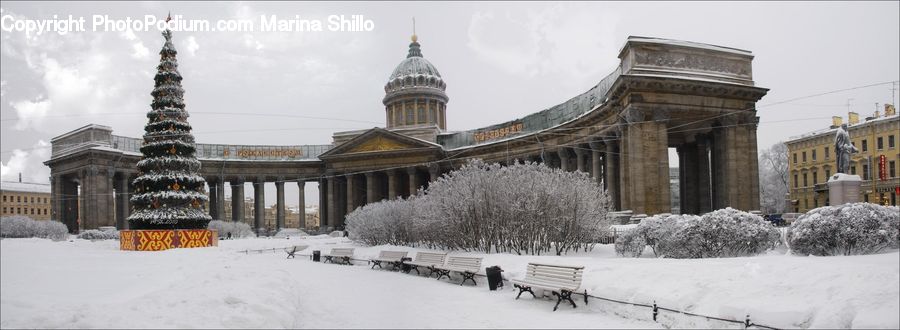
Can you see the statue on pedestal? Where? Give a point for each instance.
(843, 147)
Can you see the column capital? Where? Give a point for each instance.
(279, 183)
(563, 152)
(579, 150)
(633, 115)
(369, 174)
(260, 180)
(662, 114)
(597, 145)
(411, 170)
(238, 180)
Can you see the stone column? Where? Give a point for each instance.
(597, 149)
(564, 159)
(108, 216)
(648, 164)
(370, 187)
(753, 173)
(213, 196)
(56, 193)
(392, 183)
(279, 204)
(219, 212)
(413, 181)
(690, 178)
(123, 203)
(332, 201)
(704, 194)
(302, 204)
(579, 158)
(323, 203)
(611, 172)
(237, 200)
(68, 204)
(351, 193)
(259, 205)
(434, 172)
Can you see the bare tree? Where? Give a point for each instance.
(773, 178)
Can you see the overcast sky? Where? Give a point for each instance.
(500, 61)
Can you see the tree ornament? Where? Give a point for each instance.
(176, 187)
(173, 150)
(196, 203)
(155, 203)
(171, 127)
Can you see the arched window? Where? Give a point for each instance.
(409, 116)
(432, 114)
(421, 114)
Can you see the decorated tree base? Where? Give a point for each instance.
(159, 240)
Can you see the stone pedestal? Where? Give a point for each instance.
(843, 188)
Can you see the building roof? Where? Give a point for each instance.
(25, 187)
(830, 131)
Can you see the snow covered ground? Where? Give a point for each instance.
(84, 284)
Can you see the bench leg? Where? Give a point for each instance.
(442, 273)
(376, 263)
(327, 259)
(563, 295)
(414, 267)
(468, 276)
(522, 289)
(290, 255)
(347, 260)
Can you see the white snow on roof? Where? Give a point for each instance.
(28, 187)
(690, 44)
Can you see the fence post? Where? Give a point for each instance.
(747, 322)
(655, 311)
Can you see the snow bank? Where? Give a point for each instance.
(220, 288)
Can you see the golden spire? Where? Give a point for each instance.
(414, 37)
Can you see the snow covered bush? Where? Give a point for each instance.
(18, 226)
(849, 229)
(722, 233)
(94, 234)
(657, 231)
(630, 243)
(522, 208)
(237, 229)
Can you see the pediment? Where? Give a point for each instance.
(379, 140)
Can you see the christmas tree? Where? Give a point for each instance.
(168, 194)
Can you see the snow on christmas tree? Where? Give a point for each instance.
(168, 194)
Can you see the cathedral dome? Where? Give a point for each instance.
(414, 74)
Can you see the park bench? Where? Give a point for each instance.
(294, 249)
(561, 280)
(428, 260)
(465, 266)
(393, 258)
(342, 254)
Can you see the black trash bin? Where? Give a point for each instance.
(495, 279)
(316, 255)
(405, 267)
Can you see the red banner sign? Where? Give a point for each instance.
(882, 171)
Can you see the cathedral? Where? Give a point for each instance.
(696, 98)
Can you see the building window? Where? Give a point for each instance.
(18, 210)
(796, 183)
(865, 145)
(32, 200)
(814, 155)
(4, 198)
(827, 174)
(795, 158)
(432, 114)
(422, 115)
(18, 199)
(815, 202)
(880, 143)
(805, 182)
(826, 153)
(815, 178)
(804, 156)
(853, 170)
(409, 116)
(865, 171)
(4, 209)
(892, 168)
(890, 141)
